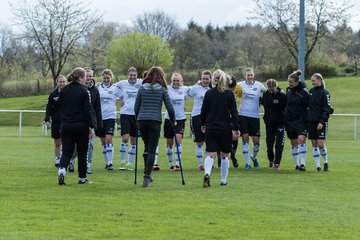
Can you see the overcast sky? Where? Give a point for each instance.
(218, 12)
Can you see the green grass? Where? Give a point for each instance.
(257, 204)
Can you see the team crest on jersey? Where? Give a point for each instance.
(254, 89)
(56, 98)
(137, 86)
(276, 101)
(110, 92)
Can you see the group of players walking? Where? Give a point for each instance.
(83, 109)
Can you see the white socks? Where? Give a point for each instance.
(295, 155)
(245, 148)
(62, 171)
(199, 154)
(316, 156)
(109, 153)
(255, 151)
(224, 169)
(156, 155)
(131, 154)
(324, 155)
(57, 159)
(104, 153)
(178, 154)
(123, 149)
(209, 162)
(302, 153)
(169, 154)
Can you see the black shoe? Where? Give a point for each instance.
(302, 168)
(146, 181)
(318, 169)
(206, 181)
(224, 184)
(71, 167)
(271, 164)
(297, 167)
(326, 167)
(110, 167)
(234, 161)
(84, 182)
(61, 179)
(57, 165)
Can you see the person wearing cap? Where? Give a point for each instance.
(274, 102)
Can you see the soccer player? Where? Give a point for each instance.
(274, 102)
(129, 88)
(76, 123)
(297, 96)
(147, 109)
(317, 119)
(53, 114)
(198, 92)
(249, 116)
(218, 118)
(177, 93)
(108, 94)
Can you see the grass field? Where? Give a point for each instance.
(257, 204)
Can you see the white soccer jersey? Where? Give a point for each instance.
(177, 97)
(198, 92)
(249, 105)
(108, 95)
(129, 91)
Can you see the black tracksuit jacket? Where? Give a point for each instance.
(52, 107)
(274, 106)
(297, 105)
(319, 105)
(96, 105)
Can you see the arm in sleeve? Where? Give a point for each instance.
(49, 104)
(97, 108)
(137, 103)
(204, 110)
(86, 106)
(326, 107)
(169, 106)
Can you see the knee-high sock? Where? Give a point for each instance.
(169, 154)
(224, 169)
(302, 153)
(255, 150)
(295, 155)
(199, 154)
(245, 148)
(57, 159)
(209, 162)
(178, 154)
(62, 171)
(316, 156)
(104, 153)
(324, 155)
(156, 155)
(123, 149)
(131, 154)
(109, 153)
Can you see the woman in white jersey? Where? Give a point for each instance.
(198, 92)
(129, 89)
(249, 116)
(108, 94)
(177, 93)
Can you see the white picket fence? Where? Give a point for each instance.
(44, 128)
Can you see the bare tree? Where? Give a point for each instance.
(56, 26)
(156, 23)
(282, 16)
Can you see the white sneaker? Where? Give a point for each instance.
(129, 167)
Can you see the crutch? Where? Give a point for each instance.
(177, 150)
(136, 154)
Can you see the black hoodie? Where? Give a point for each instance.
(274, 106)
(96, 105)
(319, 105)
(297, 104)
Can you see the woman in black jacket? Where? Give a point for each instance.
(53, 115)
(219, 122)
(317, 119)
(297, 96)
(152, 93)
(76, 123)
(274, 102)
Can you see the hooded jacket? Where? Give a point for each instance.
(149, 100)
(274, 106)
(297, 104)
(52, 107)
(319, 105)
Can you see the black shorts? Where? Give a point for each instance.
(249, 125)
(295, 130)
(317, 134)
(218, 140)
(55, 130)
(178, 129)
(107, 129)
(195, 125)
(128, 124)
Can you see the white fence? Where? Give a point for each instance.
(188, 113)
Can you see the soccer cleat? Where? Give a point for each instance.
(129, 167)
(172, 168)
(206, 181)
(256, 163)
(224, 184)
(71, 167)
(177, 168)
(247, 166)
(110, 167)
(297, 167)
(201, 168)
(271, 164)
(302, 168)
(61, 179)
(146, 181)
(326, 167)
(88, 170)
(318, 169)
(156, 167)
(122, 166)
(234, 161)
(57, 165)
(276, 166)
(84, 182)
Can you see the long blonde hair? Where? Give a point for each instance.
(319, 77)
(220, 80)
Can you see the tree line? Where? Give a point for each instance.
(53, 36)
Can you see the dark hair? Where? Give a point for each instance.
(232, 83)
(295, 75)
(144, 74)
(207, 72)
(107, 72)
(156, 75)
(270, 83)
(76, 74)
(132, 69)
